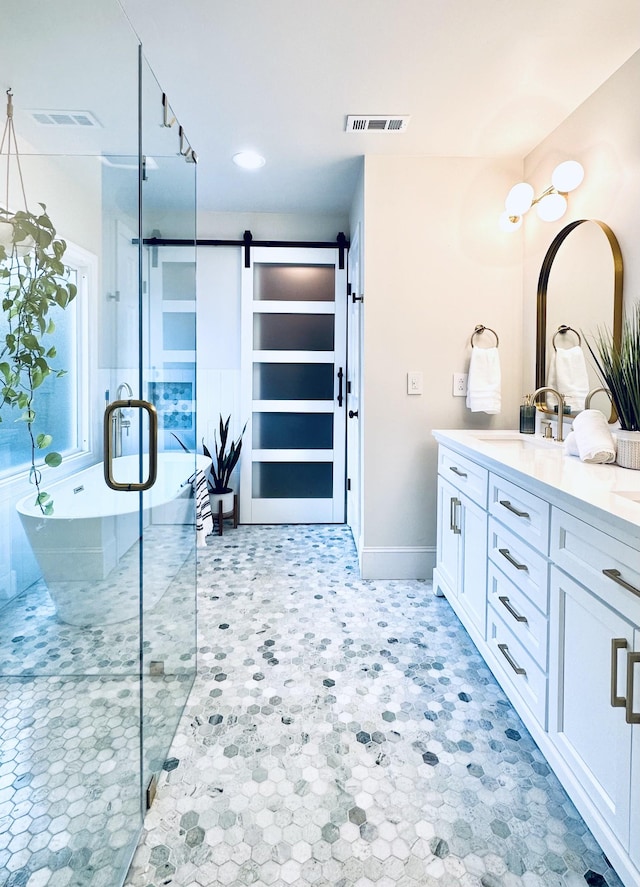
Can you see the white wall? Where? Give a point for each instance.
(435, 266)
(604, 135)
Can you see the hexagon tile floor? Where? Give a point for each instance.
(345, 732)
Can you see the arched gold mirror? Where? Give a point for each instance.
(579, 290)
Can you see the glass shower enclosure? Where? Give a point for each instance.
(98, 577)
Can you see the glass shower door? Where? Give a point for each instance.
(97, 598)
(167, 381)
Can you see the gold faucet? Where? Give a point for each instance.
(544, 390)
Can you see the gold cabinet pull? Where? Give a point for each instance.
(507, 554)
(457, 471)
(617, 577)
(504, 649)
(506, 504)
(616, 645)
(453, 504)
(504, 600)
(632, 717)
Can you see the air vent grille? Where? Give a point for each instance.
(378, 123)
(84, 119)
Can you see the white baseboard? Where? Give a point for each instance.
(397, 563)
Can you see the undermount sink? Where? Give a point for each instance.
(631, 495)
(513, 440)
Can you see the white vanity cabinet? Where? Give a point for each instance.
(595, 669)
(561, 608)
(461, 567)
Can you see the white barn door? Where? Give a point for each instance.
(293, 387)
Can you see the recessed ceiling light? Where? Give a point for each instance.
(249, 160)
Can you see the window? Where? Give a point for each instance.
(61, 403)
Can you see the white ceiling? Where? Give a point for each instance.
(478, 77)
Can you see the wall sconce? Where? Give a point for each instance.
(551, 205)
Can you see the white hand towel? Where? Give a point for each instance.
(204, 519)
(483, 382)
(568, 375)
(570, 445)
(595, 441)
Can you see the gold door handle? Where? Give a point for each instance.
(507, 554)
(504, 649)
(504, 600)
(616, 645)
(616, 575)
(506, 504)
(153, 445)
(632, 717)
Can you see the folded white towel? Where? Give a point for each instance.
(483, 382)
(593, 438)
(568, 375)
(570, 444)
(204, 519)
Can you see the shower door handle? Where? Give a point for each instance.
(108, 449)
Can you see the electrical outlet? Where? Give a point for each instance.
(460, 384)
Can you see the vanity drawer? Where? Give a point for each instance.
(464, 474)
(526, 622)
(584, 553)
(523, 565)
(523, 673)
(521, 511)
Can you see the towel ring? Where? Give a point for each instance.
(480, 328)
(562, 329)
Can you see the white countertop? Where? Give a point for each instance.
(612, 490)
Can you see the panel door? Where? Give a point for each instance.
(293, 387)
(354, 400)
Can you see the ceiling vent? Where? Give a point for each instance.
(84, 119)
(378, 123)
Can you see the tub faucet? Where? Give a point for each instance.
(120, 421)
(546, 389)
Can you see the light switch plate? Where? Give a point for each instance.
(414, 382)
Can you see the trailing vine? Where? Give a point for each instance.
(33, 280)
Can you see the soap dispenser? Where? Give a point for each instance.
(527, 416)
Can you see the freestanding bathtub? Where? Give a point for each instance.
(86, 549)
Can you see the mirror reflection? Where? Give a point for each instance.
(579, 290)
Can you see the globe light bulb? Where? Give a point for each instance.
(519, 199)
(551, 207)
(567, 176)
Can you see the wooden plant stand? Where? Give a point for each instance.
(219, 516)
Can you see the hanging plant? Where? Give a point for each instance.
(33, 280)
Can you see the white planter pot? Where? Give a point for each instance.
(227, 502)
(628, 449)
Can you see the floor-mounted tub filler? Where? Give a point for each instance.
(88, 549)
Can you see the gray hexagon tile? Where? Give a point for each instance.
(339, 732)
(346, 732)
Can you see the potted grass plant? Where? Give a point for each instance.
(223, 461)
(619, 368)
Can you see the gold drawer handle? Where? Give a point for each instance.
(507, 655)
(616, 645)
(509, 607)
(632, 717)
(617, 577)
(505, 553)
(513, 509)
(457, 471)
